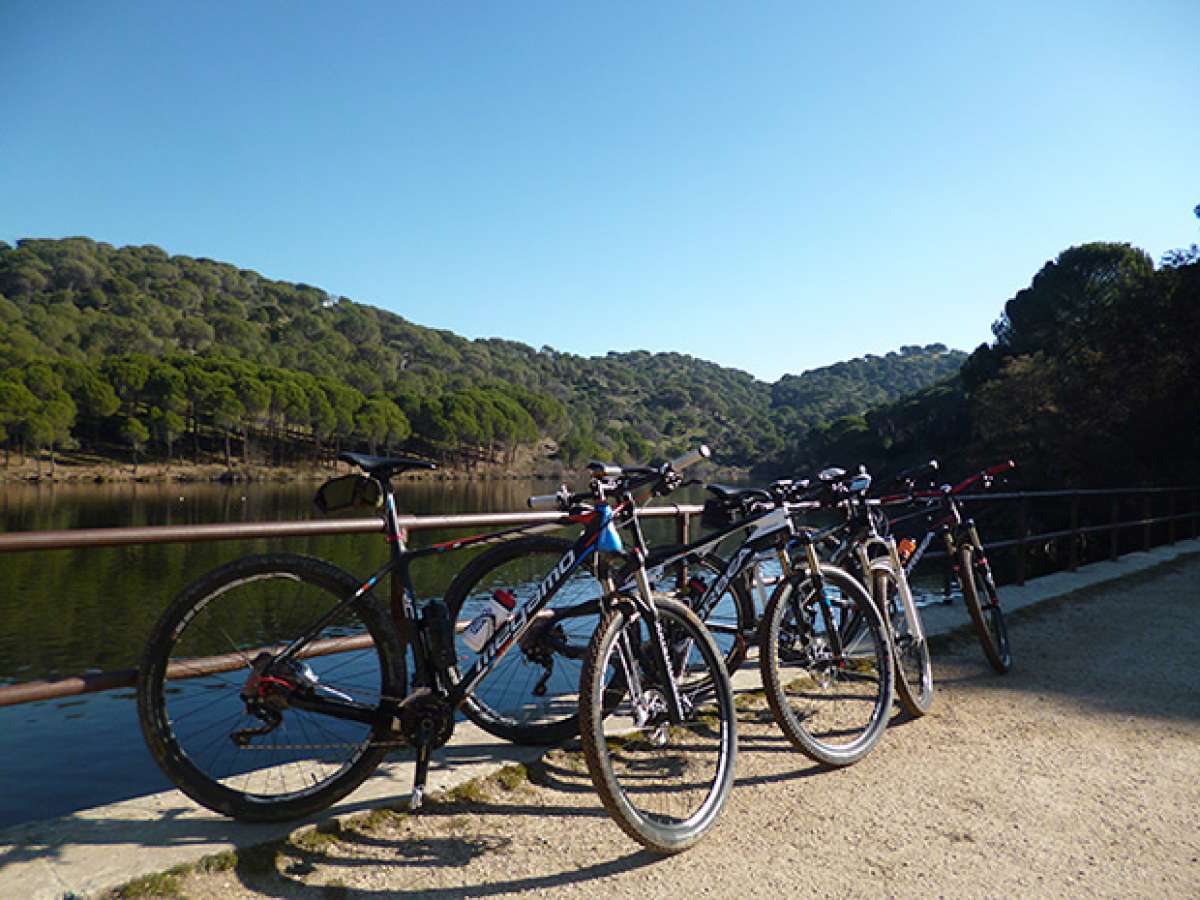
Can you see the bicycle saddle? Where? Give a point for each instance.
(383, 466)
(727, 494)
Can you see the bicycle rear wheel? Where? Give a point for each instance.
(199, 659)
(532, 696)
(983, 604)
(833, 706)
(663, 783)
(729, 617)
(910, 650)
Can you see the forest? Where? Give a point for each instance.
(1092, 379)
(136, 354)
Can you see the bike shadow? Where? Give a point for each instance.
(283, 875)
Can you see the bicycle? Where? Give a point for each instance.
(273, 686)
(863, 544)
(719, 592)
(965, 551)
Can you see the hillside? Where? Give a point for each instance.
(133, 351)
(1093, 380)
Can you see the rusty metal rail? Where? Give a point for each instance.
(247, 531)
(116, 537)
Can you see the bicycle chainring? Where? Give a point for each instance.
(426, 719)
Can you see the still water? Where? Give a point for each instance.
(66, 612)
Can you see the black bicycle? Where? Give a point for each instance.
(861, 544)
(832, 695)
(964, 550)
(274, 685)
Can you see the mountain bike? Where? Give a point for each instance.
(863, 545)
(274, 685)
(965, 551)
(835, 724)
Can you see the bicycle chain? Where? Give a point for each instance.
(371, 745)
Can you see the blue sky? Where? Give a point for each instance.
(771, 186)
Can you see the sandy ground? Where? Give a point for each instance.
(1077, 774)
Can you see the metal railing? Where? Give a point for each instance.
(1075, 532)
(116, 537)
(32, 691)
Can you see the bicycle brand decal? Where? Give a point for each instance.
(502, 639)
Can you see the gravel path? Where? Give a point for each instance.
(1076, 774)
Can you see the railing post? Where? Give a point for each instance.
(1147, 514)
(1074, 539)
(1022, 532)
(682, 536)
(1114, 533)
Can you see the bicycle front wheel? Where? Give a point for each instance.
(663, 782)
(266, 758)
(833, 705)
(983, 603)
(910, 650)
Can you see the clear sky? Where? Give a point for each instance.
(772, 186)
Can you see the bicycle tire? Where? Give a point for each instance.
(621, 756)
(914, 669)
(802, 680)
(989, 620)
(729, 620)
(503, 704)
(242, 608)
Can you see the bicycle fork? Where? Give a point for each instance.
(836, 646)
(656, 654)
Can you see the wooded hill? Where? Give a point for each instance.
(1093, 380)
(132, 351)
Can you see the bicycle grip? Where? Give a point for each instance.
(690, 458)
(544, 501)
(1001, 468)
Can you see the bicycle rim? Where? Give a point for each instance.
(833, 707)
(983, 605)
(910, 650)
(664, 783)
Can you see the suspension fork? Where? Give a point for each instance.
(981, 563)
(818, 583)
(660, 655)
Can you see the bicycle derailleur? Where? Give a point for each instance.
(269, 689)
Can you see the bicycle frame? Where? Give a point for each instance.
(599, 536)
(772, 534)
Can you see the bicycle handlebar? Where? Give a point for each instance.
(910, 474)
(638, 476)
(986, 474)
(545, 501)
(679, 463)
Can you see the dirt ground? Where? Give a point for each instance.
(1076, 774)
